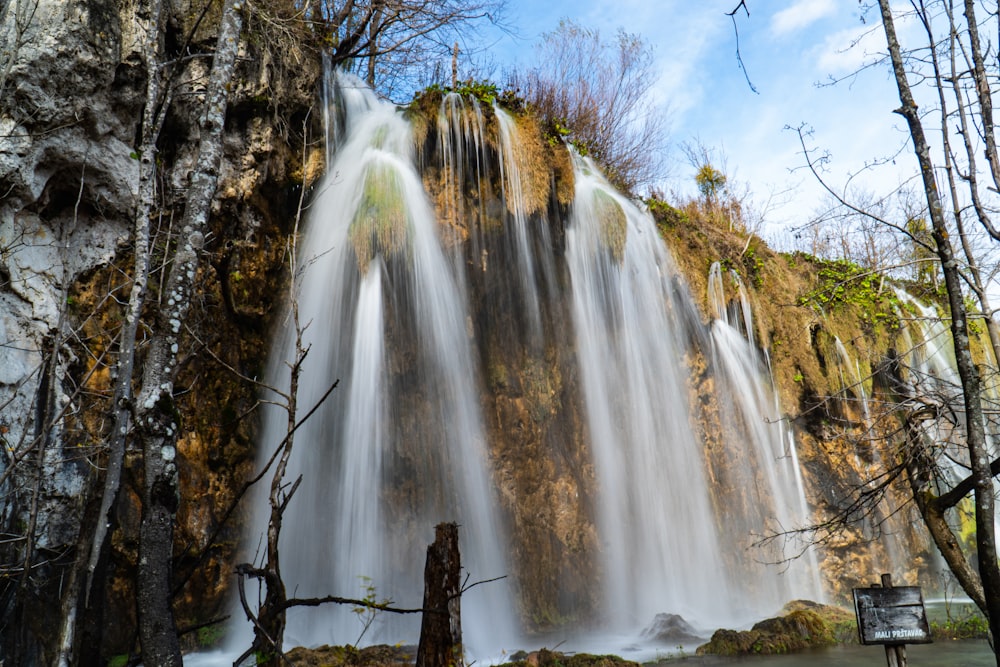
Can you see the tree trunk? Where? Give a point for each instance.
(933, 515)
(269, 633)
(121, 408)
(441, 628)
(156, 422)
(989, 570)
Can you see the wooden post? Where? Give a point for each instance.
(895, 654)
(441, 627)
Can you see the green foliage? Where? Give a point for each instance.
(368, 612)
(665, 215)
(754, 265)
(118, 660)
(969, 625)
(843, 283)
(711, 182)
(557, 131)
(973, 315)
(485, 91)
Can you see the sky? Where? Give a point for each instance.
(791, 51)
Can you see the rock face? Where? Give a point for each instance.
(68, 120)
(69, 103)
(72, 90)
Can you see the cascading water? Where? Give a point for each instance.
(662, 551)
(931, 373)
(634, 327)
(465, 330)
(382, 312)
(769, 470)
(851, 382)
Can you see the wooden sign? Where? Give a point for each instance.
(891, 615)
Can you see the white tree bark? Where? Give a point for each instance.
(155, 414)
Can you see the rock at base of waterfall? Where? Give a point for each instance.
(672, 629)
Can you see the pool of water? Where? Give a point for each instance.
(966, 653)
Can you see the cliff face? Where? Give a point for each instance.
(71, 107)
(831, 334)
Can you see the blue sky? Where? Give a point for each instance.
(788, 48)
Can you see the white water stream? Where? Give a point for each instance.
(391, 321)
(341, 532)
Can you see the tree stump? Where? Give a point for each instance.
(441, 626)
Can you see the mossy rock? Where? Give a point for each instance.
(546, 658)
(381, 655)
(614, 223)
(380, 225)
(842, 622)
(808, 626)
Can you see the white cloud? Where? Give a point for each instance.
(849, 50)
(801, 15)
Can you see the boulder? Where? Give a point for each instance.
(671, 629)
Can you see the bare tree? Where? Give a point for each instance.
(981, 479)
(599, 95)
(155, 412)
(388, 42)
(947, 75)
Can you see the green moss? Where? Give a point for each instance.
(210, 636)
(498, 377)
(807, 625)
(842, 283)
(665, 215)
(380, 225)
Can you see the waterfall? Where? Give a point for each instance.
(769, 468)
(931, 372)
(662, 551)
(477, 324)
(382, 312)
